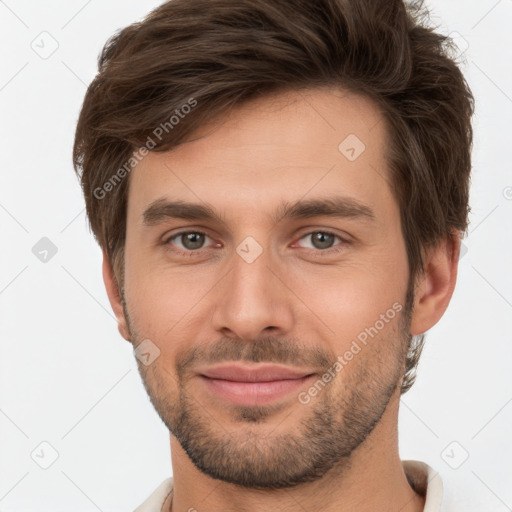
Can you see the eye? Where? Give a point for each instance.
(323, 240)
(191, 241)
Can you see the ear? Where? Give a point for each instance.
(115, 298)
(434, 288)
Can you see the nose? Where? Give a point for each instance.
(253, 300)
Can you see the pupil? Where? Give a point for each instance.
(193, 240)
(320, 238)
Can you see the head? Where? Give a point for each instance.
(326, 151)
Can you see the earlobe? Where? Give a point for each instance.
(434, 288)
(115, 298)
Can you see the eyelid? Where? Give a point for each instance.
(319, 229)
(168, 237)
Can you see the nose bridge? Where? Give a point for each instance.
(251, 298)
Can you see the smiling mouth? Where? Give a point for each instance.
(253, 385)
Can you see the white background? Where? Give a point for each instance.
(68, 378)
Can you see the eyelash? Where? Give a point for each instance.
(191, 253)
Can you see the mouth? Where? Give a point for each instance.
(255, 384)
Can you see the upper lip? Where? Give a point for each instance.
(261, 373)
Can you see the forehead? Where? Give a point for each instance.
(274, 149)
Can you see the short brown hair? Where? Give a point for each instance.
(213, 55)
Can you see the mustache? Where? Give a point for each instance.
(263, 350)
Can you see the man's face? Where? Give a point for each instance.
(253, 310)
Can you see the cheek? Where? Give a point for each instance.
(164, 303)
(366, 317)
(351, 298)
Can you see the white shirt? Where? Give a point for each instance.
(422, 478)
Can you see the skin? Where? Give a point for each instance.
(282, 147)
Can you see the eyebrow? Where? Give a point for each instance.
(162, 210)
(337, 206)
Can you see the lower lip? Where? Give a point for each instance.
(254, 393)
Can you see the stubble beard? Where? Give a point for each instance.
(243, 450)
